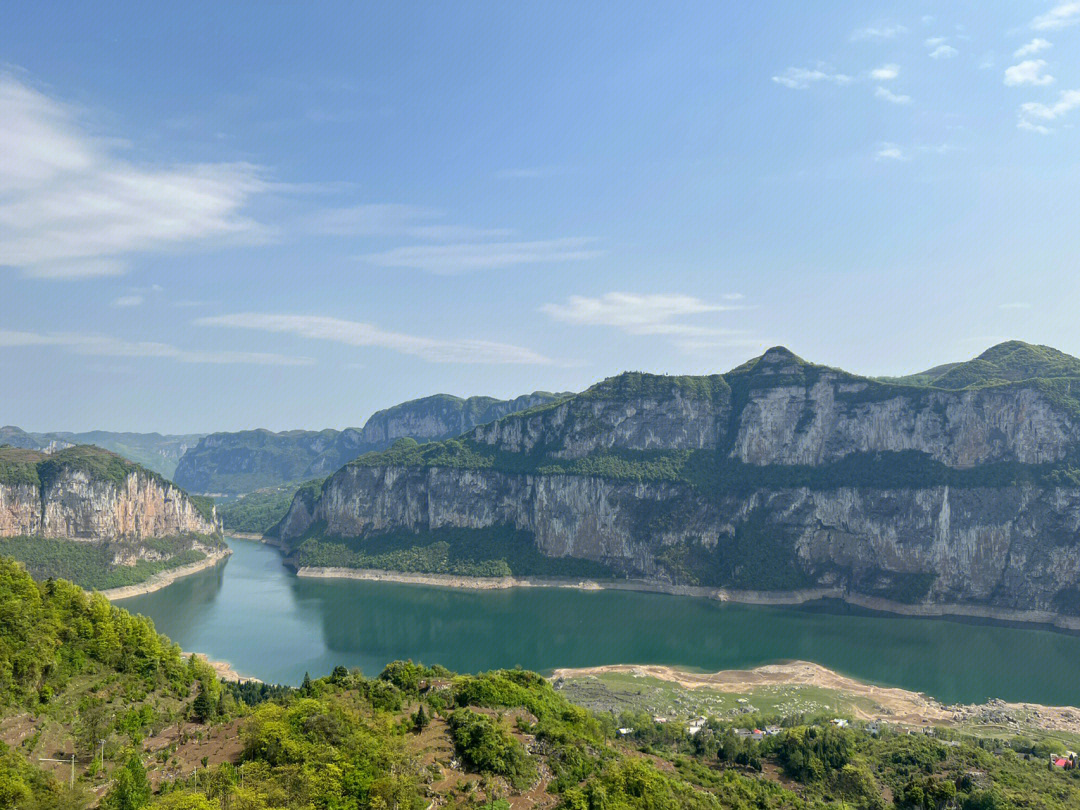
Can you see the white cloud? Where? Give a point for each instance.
(1028, 72)
(72, 207)
(1034, 114)
(463, 258)
(661, 314)
(1015, 305)
(393, 219)
(888, 95)
(885, 73)
(801, 78)
(890, 151)
(104, 346)
(1032, 47)
(943, 52)
(128, 301)
(932, 42)
(1061, 16)
(355, 333)
(878, 32)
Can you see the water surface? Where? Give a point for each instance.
(256, 614)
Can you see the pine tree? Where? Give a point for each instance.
(305, 687)
(420, 719)
(202, 708)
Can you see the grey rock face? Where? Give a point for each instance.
(1011, 543)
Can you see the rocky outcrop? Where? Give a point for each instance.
(84, 493)
(777, 476)
(233, 463)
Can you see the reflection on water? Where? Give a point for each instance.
(254, 613)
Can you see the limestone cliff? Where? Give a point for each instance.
(85, 493)
(778, 475)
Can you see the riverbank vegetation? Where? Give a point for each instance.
(499, 551)
(257, 512)
(99, 565)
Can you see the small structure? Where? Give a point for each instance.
(840, 722)
(625, 732)
(694, 729)
(757, 734)
(772, 731)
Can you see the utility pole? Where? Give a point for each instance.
(102, 754)
(72, 760)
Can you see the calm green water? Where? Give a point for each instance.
(254, 613)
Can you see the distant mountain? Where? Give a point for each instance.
(152, 450)
(781, 475)
(1013, 361)
(245, 461)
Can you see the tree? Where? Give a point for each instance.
(305, 687)
(420, 719)
(91, 724)
(202, 708)
(131, 788)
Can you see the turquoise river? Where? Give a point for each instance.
(254, 613)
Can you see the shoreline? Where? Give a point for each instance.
(765, 598)
(165, 578)
(890, 703)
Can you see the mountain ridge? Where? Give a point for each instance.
(781, 474)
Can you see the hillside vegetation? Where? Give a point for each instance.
(151, 729)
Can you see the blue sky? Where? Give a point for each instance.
(226, 215)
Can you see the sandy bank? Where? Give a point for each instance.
(163, 578)
(224, 670)
(891, 704)
(799, 597)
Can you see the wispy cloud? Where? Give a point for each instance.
(71, 207)
(1029, 71)
(661, 314)
(888, 95)
(128, 301)
(1035, 116)
(1015, 305)
(878, 32)
(885, 73)
(1060, 16)
(464, 258)
(890, 151)
(1035, 46)
(104, 346)
(356, 333)
(394, 219)
(801, 78)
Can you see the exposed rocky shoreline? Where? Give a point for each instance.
(779, 598)
(164, 578)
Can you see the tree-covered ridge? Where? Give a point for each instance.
(1012, 361)
(23, 466)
